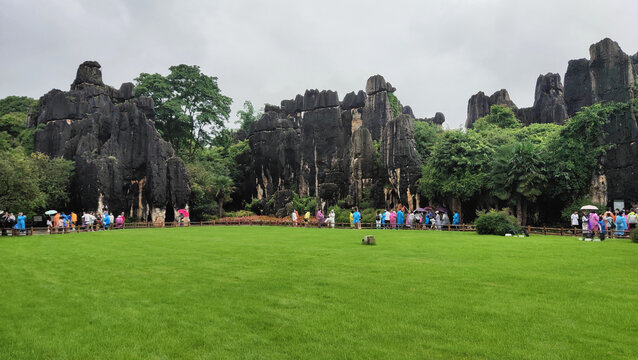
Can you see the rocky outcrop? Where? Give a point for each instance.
(609, 75)
(120, 158)
(336, 150)
(438, 119)
(401, 160)
(479, 105)
(549, 102)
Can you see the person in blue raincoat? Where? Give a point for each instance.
(621, 225)
(20, 225)
(106, 221)
(456, 218)
(399, 219)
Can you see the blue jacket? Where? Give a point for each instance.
(399, 217)
(356, 217)
(455, 219)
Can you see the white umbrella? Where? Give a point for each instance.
(589, 207)
(50, 212)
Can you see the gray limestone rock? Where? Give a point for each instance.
(120, 159)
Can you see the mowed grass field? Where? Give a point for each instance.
(284, 293)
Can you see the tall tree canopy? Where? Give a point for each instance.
(190, 108)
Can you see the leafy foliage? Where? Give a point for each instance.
(394, 104)
(16, 104)
(496, 223)
(190, 108)
(29, 183)
(500, 116)
(457, 167)
(425, 137)
(247, 116)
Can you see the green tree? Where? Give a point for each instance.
(573, 155)
(457, 167)
(425, 137)
(247, 116)
(518, 175)
(16, 104)
(211, 181)
(19, 183)
(500, 116)
(54, 179)
(190, 107)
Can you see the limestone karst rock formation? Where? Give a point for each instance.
(120, 158)
(356, 149)
(607, 76)
(479, 105)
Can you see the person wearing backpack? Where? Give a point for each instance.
(631, 219)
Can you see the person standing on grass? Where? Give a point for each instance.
(294, 217)
(456, 219)
(399, 219)
(20, 225)
(351, 219)
(331, 218)
(584, 223)
(603, 228)
(575, 221)
(306, 218)
(106, 221)
(594, 226)
(356, 219)
(387, 216)
(632, 219)
(621, 225)
(377, 220)
(319, 217)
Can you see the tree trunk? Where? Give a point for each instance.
(524, 212)
(519, 209)
(220, 204)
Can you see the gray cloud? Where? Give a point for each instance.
(436, 53)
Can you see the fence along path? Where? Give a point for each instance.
(252, 222)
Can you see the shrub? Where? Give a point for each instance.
(240, 213)
(496, 223)
(634, 235)
(369, 215)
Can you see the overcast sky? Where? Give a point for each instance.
(436, 53)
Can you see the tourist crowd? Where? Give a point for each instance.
(389, 219)
(608, 224)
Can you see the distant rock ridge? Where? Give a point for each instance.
(607, 76)
(355, 150)
(120, 158)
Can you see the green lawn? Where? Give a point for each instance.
(282, 293)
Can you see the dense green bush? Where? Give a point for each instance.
(496, 223)
(239, 213)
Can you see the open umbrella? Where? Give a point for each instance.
(183, 212)
(589, 207)
(428, 208)
(421, 210)
(442, 209)
(50, 212)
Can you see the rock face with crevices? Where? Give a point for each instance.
(609, 75)
(354, 150)
(120, 158)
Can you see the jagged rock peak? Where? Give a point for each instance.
(375, 84)
(88, 72)
(479, 105)
(315, 99)
(549, 84)
(353, 101)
